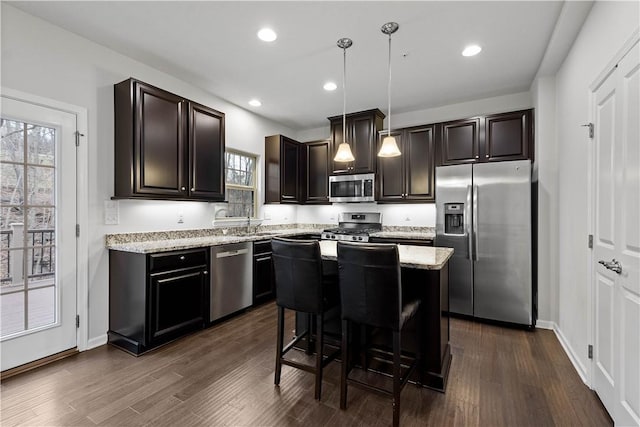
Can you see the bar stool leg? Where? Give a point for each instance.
(309, 334)
(279, 345)
(345, 364)
(319, 345)
(396, 378)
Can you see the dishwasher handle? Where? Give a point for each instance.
(227, 254)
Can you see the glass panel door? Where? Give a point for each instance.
(37, 232)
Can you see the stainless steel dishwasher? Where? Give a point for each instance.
(231, 279)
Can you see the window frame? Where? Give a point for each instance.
(232, 186)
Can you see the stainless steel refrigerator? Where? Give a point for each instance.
(484, 212)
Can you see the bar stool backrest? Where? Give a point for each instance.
(370, 285)
(298, 274)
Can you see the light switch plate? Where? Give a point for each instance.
(111, 212)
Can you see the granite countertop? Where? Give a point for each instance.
(164, 241)
(421, 257)
(415, 235)
(180, 243)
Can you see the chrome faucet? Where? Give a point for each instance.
(248, 228)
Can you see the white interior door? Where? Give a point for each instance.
(37, 225)
(616, 255)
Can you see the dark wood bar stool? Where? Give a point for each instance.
(371, 295)
(301, 286)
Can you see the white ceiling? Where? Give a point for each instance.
(213, 45)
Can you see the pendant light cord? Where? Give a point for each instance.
(344, 95)
(389, 89)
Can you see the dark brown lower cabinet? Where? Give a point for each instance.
(156, 298)
(264, 284)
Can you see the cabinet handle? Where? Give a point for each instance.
(205, 272)
(486, 155)
(183, 188)
(193, 189)
(477, 157)
(181, 257)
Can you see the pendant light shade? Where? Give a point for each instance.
(344, 150)
(389, 146)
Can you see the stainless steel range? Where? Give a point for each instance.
(354, 226)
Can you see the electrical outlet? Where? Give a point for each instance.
(180, 217)
(111, 212)
(407, 219)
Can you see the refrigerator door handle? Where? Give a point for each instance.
(475, 222)
(469, 227)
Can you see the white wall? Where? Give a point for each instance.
(44, 60)
(545, 171)
(607, 28)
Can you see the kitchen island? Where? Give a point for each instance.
(425, 275)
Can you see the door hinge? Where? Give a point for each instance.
(591, 130)
(77, 320)
(590, 241)
(77, 230)
(590, 351)
(78, 135)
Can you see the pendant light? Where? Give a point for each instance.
(344, 151)
(389, 146)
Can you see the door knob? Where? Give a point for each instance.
(612, 265)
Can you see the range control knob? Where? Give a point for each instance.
(360, 238)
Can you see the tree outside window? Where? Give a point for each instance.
(240, 175)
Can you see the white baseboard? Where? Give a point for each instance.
(575, 361)
(96, 341)
(546, 324)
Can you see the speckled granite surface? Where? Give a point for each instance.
(421, 257)
(428, 234)
(187, 239)
(163, 241)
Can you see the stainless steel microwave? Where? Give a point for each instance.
(352, 188)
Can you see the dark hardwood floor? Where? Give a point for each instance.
(224, 376)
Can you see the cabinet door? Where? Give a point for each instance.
(289, 170)
(419, 161)
(391, 185)
(159, 147)
(460, 142)
(363, 143)
(206, 153)
(317, 172)
(177, 303)
(508, 136)
(263, 280)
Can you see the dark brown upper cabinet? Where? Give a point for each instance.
(460, 141)
(166, 147)
(206, 153)
(284, 170)
(317, 172)
(409, 177)
(508, 136)
(362, 133)
(493, 138)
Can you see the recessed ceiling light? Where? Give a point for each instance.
(255, 103)
(471, 50)
(330, 86)
(267, 35)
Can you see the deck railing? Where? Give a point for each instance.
(40, 251)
